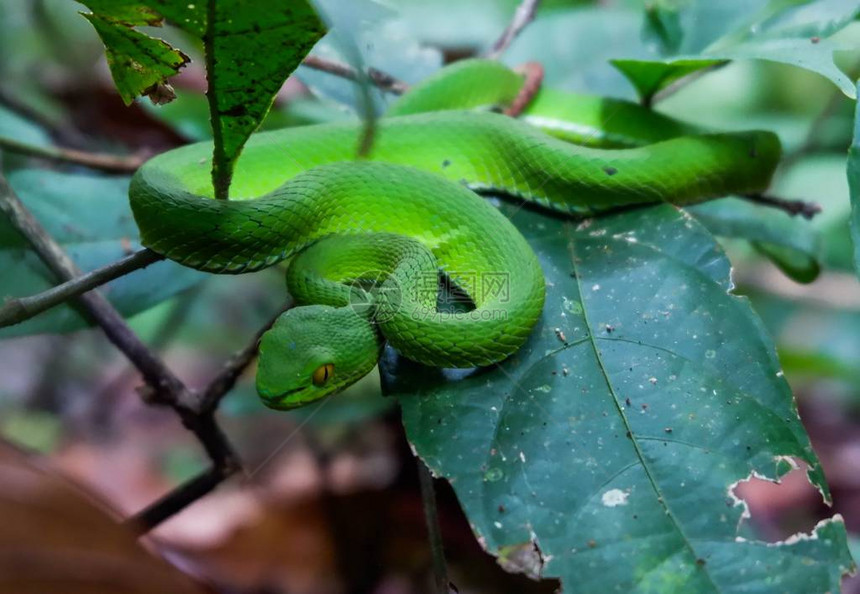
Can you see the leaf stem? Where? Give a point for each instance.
(221, 166)
(434, 534)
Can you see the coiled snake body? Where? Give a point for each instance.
(369, 237)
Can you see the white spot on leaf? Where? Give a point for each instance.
(614, 498)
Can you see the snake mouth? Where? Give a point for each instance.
(276, 402)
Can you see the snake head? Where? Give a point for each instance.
(314, 351)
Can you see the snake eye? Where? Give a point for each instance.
(322, 374)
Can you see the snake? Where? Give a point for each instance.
(370, 242)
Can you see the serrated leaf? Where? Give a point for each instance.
(791, 243)
(91, 219)
(604, 451)
(138, 63)
(251, 49)
(854, 189)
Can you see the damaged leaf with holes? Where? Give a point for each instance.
(604, 453)
(251, 49)
(139, 64)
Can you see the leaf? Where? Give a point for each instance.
(788, 31)
(650, 77)
(604, 452)
(251, 49)
(125, 12)
(54, 537)
(139, 64)
(854, 189)
(90, 217)
(792, 243)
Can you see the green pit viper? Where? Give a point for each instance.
(368, 238)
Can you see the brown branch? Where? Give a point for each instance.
(381, 80)
(102, 162)
(162, 386)
(233, 368)
(19, 309)
(175, 501)
(793, 207)
(523, 15)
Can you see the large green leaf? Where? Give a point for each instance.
(91, 218)
(251, 49)
(705, 33)
(854, 189)
(605, 451)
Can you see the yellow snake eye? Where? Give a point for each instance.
(323, 373)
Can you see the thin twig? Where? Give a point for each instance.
(102, 162)
(96, 306)
(793, 207)
(523, 15)
(381, 80)
(16, 310)
(161, 384)
(233, 368)
(104, 403)
(175, 501)
(434, 534)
